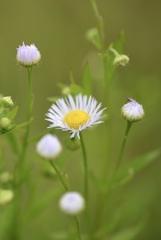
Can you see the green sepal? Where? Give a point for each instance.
(12, 114)
(13, 142)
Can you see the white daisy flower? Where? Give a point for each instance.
(132, 111)
(28, 56)
(72, 203)
(74, 115)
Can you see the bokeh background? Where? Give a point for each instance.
(58, 29)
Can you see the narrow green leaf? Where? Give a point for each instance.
(13, 142)
(11, 115)
(86, 79)
(75, 89)
(1, 159)
(41, 202)
(134, 166)
(119, 44)
(100, 185)
(108, 226)
(52, 99)
(59, 235)
(129, 233)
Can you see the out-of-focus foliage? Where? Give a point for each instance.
(58, 28)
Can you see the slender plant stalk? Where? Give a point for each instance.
(85, 168)
(78, 227)
(19, 169)
(99, 22)
(66, 188)
(129, 124)
(59, 174)
(28, 117)
(106, 101)
(106, 86)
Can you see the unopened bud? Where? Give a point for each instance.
(120, 60)
(66, 91)
(28, 56)
(7, 102)
(72, 203)
(6, 196)
(49, 147)
(5, 124)
(72, 143)
(132, 111)
(5, 177)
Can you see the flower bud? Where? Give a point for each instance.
(5, 124)
(7, 102)
(5, 177)
(72, 203)
(6, 196)
(28, 56)
(92, 35)
(132, 111)
(66, 90)
(49, 147)
(72, 143)
(121, 61)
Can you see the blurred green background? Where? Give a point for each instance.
(58, 29)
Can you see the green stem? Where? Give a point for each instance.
(66, 188)
(115, 52)
(59, 174)
(85, 168)
(28, 117)
(99, 22)
(78, 228)
(129, 124)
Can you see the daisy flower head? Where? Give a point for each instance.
(28, 56)
(74, 115)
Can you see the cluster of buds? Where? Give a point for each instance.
(6, 104)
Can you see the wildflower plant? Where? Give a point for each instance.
(75, 111)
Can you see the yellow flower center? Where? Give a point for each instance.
(76, 118)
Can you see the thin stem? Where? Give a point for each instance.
(85, 168)
(28, 117)
(19, 170)
(129, 124)
(66, 187)
(78, 228)
(59, 174)
(115, 52)
(99, 22)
